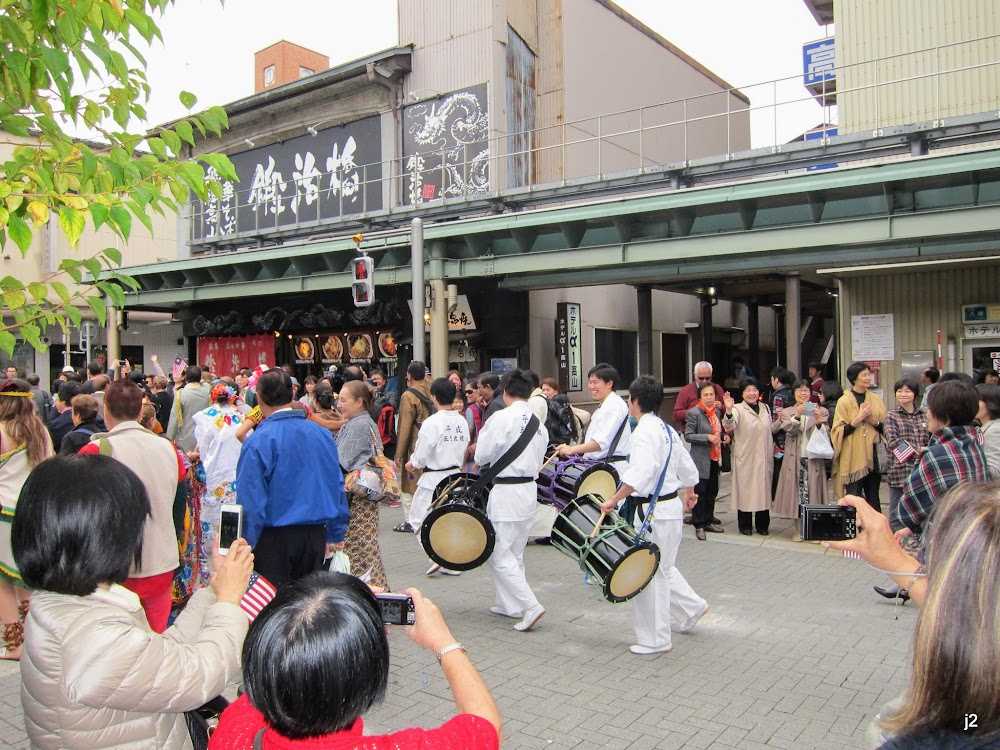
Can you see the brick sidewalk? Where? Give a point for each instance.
(796, 652)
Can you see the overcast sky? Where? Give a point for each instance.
(208, 48)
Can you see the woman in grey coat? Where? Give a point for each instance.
(703, 430)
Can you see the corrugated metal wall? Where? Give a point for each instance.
(550, 80)
(872, 29)
(453, 41)
(921, 303)
(520, 91)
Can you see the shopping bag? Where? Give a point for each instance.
(819, 445)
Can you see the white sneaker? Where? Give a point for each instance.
(531, 617)
(647, 650)
(449, 572)
(499, 611)
(686, 627)
(434, 568)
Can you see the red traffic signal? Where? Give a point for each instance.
(363, 281)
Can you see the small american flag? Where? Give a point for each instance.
(903, 452)
(258, 594)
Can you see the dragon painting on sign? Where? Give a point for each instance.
(450, 137)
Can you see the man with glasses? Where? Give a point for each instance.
(688, 396)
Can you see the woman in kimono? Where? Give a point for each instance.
(215, 431)
(753, 454)
(802, 480)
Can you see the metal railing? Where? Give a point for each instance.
(912, 87)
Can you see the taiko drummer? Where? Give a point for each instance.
(512, 500)
(608, 435)
(659, 460)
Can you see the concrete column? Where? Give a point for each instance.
(114, 343)
(644, 301)
(417, 287)
(439, 311)
(793, 323)
(753, 336)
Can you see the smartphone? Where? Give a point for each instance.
(231, 527)
(397, 609)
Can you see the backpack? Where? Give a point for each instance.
(431, 406)
(559, 422)
(386, 422)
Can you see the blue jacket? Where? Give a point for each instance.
(288, 474)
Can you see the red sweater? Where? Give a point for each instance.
(240, 723)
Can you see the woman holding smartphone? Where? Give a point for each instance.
(802, 480)
(907, 436)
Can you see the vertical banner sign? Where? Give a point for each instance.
(568, 343)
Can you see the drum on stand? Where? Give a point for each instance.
(610, 556)
(457, 534)
(569, 477)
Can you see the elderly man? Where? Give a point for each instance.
(688, 396)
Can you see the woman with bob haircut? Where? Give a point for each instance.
(857, 427)
(317, 658)
(93, 673)
(955, 642)
(753, 453)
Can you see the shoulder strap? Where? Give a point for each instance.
(508, 457)
(648, 520)
(427, 402)
(84, 431)
(618, 436)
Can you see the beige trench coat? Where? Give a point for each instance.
(753, 457)
(786, 498)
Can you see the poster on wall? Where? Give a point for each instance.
(568, 344)
(305, 350)
(226, 355)
(446, 148)
(309, 178)
(332, 349)
(873, 338)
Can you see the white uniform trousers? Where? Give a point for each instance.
(514, 595)
(668, 596)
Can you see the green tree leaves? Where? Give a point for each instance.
(52, 51)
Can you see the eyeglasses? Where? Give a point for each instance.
(700, 379)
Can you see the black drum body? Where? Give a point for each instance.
(619, 566)
(567, 478)
(457, 534)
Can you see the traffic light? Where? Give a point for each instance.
(363, 281)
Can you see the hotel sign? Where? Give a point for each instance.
(568, 345)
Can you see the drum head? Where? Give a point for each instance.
(632, 573)
(598, 481)
(457, 537)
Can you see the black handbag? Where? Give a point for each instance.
(198, 721)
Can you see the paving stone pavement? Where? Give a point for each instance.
(795, 652)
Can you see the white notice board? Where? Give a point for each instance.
(872, 337)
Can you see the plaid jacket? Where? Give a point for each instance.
(954, 455)
(900, 425)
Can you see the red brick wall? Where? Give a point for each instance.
(286, 58)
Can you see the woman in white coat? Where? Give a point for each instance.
(753, 458)
(93, 673)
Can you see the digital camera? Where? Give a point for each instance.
(828, 523)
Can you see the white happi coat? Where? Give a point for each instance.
(603, 426)
(441, 444)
